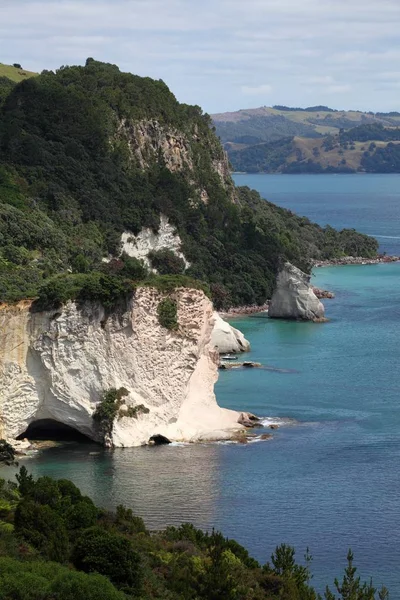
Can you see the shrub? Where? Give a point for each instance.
(166, 262)
(70, 585)
(133, 411)
(109, 554)
(42, 527)
(81, 515)
(107, 409)
(7, 453)
(167, 311)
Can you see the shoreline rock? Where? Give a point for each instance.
(355, 260)
(293, 297)
(322, 293)
(226, 339)
(239, 311)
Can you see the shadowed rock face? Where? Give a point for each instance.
(294, 298)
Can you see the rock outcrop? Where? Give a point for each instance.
(226, 339)
(149, 139)
(57, 364)
(140, 245)
(294, 298)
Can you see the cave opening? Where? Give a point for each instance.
(51, 430)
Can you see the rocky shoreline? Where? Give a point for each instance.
(239, 311)
(356, 260)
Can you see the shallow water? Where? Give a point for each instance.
(329, 479)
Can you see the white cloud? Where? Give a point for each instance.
(257, 90)
(215, 52)
(321, 79)
(338, 89)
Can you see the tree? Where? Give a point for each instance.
(285, 566)
(42, 527)
(7, 452)
(109, 554)
(351, 587)
(25, 481)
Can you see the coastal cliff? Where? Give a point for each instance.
(57, 364)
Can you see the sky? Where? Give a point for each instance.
(222, 54)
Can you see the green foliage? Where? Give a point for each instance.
(285, 566)
(373, 131)
(7, 453)
(267, 128)
(383, 160)
(49, 581)
(166, 262)
(267, 157)
(41, 526)
(109, 554)
(107, 409)
(25, 482)
(127, 522)
(81, 515)
(71, 183)
(351, 587)
(133, 411)
(167, 311)
(106, 551)
(107, 289)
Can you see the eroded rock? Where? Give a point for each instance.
(294, 298)
(226, 339)
(57, 364)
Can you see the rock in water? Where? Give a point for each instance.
(225, 338)
(294, 298)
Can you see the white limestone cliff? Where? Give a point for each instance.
(226, 339)
(146, 241)
(293, 297)
(56, 365)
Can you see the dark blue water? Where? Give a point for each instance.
(369, 203)
(330, 478)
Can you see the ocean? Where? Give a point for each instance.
(330, 478)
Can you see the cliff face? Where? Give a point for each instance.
(148, 141)
(293, 297)
(56, 365)
(140, 245)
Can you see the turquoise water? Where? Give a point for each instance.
(369, 203)
(328, 480)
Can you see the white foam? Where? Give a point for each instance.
(177, 444)
(280, 421)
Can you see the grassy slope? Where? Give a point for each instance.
(332, 158)
(323, 122)
(14, 74)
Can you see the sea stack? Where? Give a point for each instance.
(226, 339)
(294, 298)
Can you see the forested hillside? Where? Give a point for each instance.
(87, 153)
(311, 140)
(55, 544)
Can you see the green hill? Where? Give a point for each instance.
(14, 73)
(87, 153)
(314, 140)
